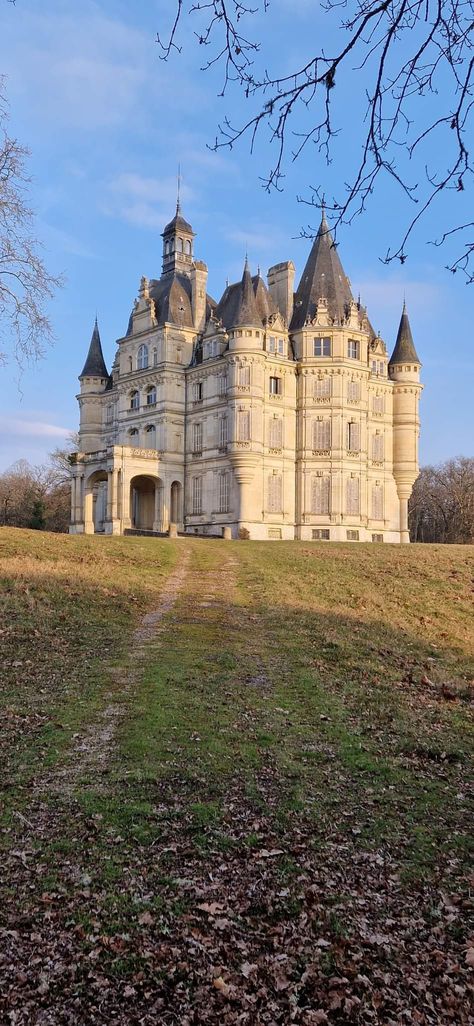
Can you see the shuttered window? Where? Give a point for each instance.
(321, 435)
(275, 490)
(320, 490)
(353, 496)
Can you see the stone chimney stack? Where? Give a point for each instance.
(281, 279)
(198, 294)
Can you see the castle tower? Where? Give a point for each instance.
(94, 381)
(177, 245)
(404, 371)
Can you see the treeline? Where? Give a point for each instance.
(441, 508)
(37, 497)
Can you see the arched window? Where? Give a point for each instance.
(179, 245)
(142, 357)
(150, 436)
(134, 400)
(151, 396)
(167, 248)
(133, 436)
(187, 247)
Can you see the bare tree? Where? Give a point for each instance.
(442, 503)
(25, 284)
(410, 64)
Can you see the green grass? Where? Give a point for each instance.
(301, 690)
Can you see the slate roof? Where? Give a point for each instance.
(178, 223)
(246, 302)
(94, 366)
(404, 351)
(172, 298)
(323, 277)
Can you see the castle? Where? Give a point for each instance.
(271, 414)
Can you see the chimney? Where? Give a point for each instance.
(281, 279)
(198, 294)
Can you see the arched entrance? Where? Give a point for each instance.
(176, 503)
(95, 503)
(146, 503)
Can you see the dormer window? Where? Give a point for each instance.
(142, 358)
(321, 347)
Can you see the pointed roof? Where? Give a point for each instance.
(94, 366)
(322, 278)
(240, 304)
(404, 346)
(178, 223)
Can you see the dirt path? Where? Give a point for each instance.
(91, 749)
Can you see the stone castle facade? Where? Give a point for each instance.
(271, 414)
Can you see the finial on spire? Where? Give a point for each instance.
(178, 196)
(324, 225)
(404, 303)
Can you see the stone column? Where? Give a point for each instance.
(73, 499)
(404, 532)
(88, 512)
(108, 515)
(157, 526)
(244, 470)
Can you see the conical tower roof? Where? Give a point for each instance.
(322, 278)
(247, 309)
(404, 346)
(94, 366)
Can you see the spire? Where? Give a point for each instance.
(323, 277)
(404, 346)
(247, 311)
(94, 366)
(178, 204)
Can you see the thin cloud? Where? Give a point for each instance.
(24, 427)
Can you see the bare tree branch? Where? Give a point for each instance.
(25, 284)
(410, 63)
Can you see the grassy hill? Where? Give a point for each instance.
(236, 781)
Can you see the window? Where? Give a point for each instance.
(244, 376)
(274, 534)
(353, 349)
(378, 367)
(352, 535)
(353, 436)
(276, 433)
(155, 357)
(321, 347)
(244, 426)
(167, 248)
(321, 435)
(272, 344)
(353, 391)
(197, 495)
(275, 386)
(179, 245)
(377, 404)
(142, 358)
(320, 534)
(281, 347)
(197, 392)
(109, 414)
(197, 438)
(133, 436)
(377, 447)
(134, 400)
(320, 488)
(353, 496)
(187, 247)
(222, 432)
(223, 493)
(150, 436)
(377, 501)
(151, 396)
(275, 491)
(222, 384)
(377, 537)
(322, 388)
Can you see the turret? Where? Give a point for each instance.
(404, 370)
(178, 245)
(94, 380)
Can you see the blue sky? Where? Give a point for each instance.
(108, 122)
